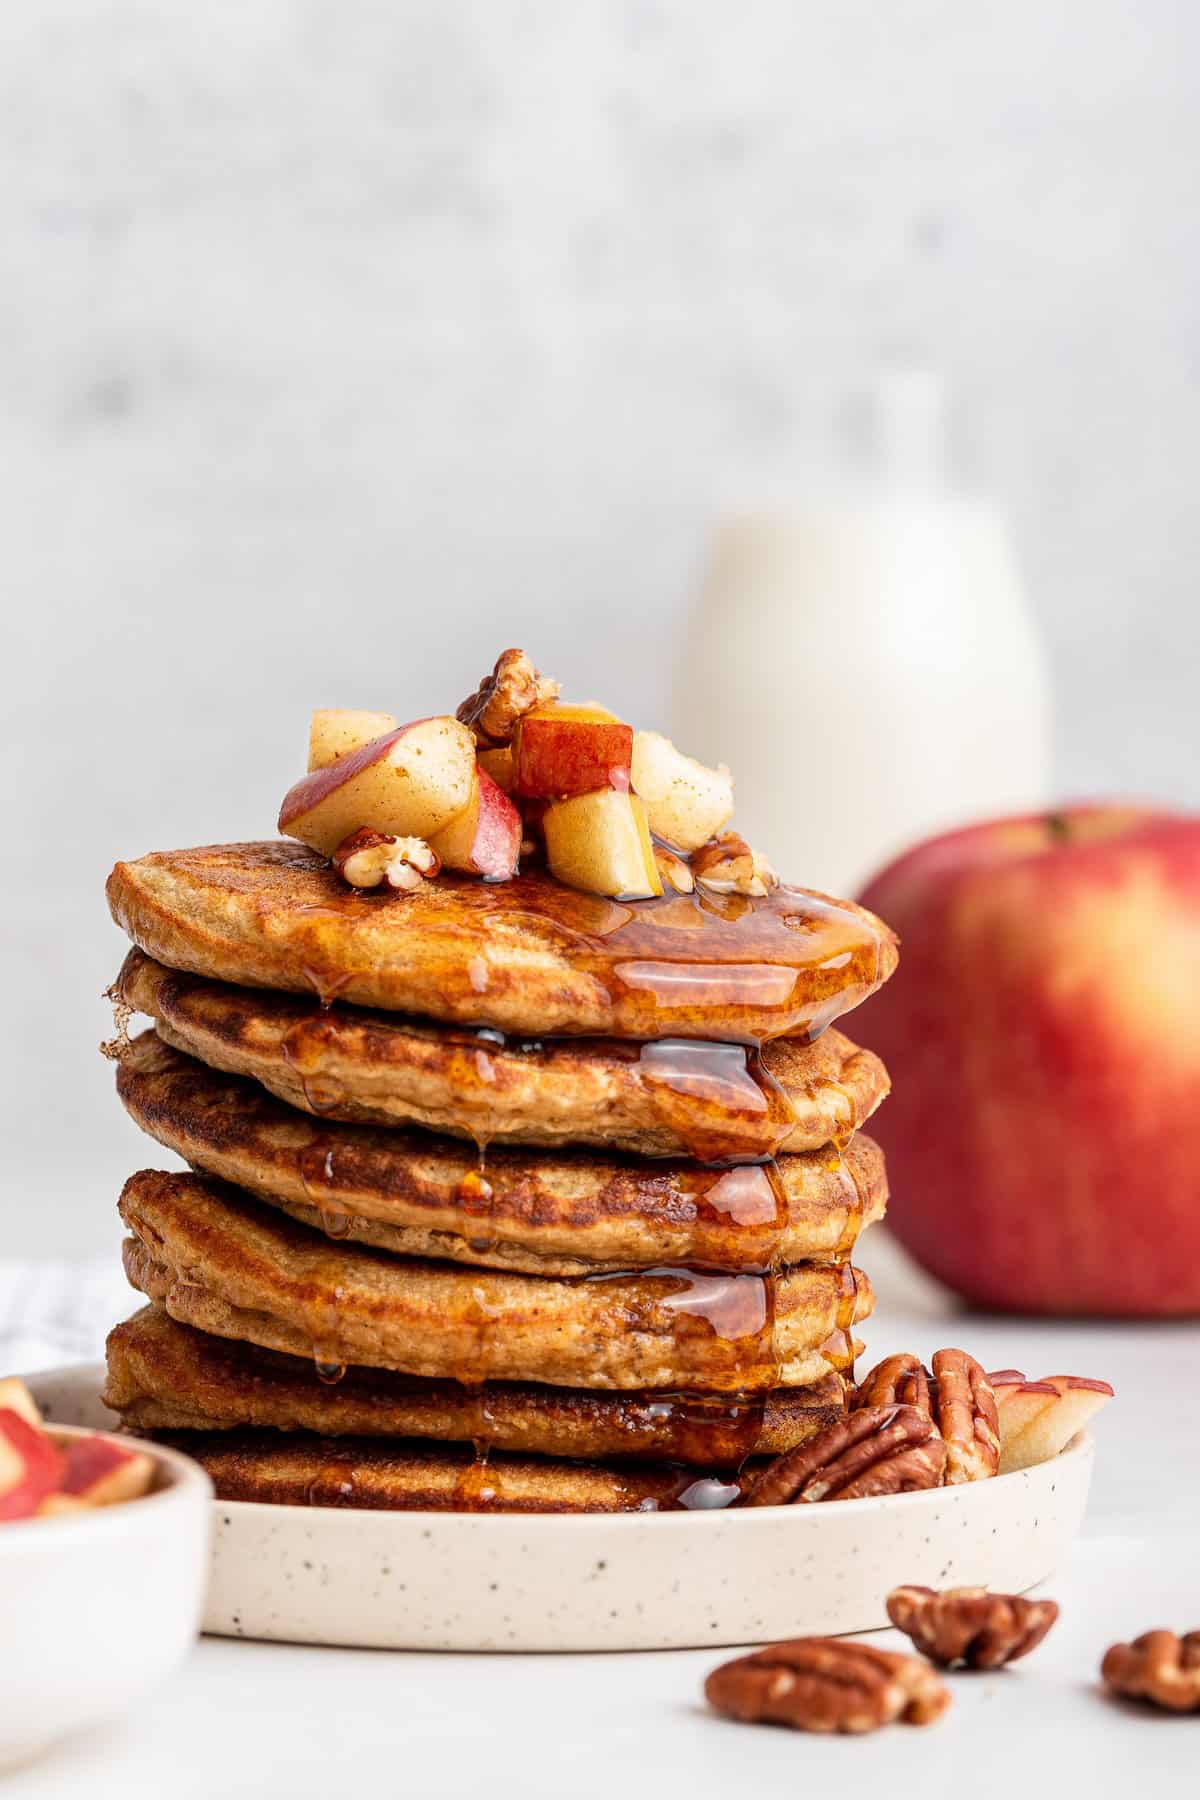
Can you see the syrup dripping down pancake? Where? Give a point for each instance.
(527, 956)
(215, 1258)
(163, 1376)
(543, 1212)
(302, 1470)
(713, 1101)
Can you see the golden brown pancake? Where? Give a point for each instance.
(716, 1102)
(163, 1376)
(214, 1258)
(301, 1470)
(528, 955)
(544, 1212)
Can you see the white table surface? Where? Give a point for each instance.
(266, 1720)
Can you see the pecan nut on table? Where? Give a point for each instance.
(1159, 1667)
(828, 1685)
(970, 1626)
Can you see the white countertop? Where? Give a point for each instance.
(265, 1720)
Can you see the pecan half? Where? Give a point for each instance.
(965, 1409)
(957, 1397)
(969, 1625)
(727, 865)
(513, 688)
(1159, 1667)
(827, 1684)
(896, 1381)
(370, 859)
(876, 1450)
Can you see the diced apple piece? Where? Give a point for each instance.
(16, 1397)
(1064, 1404)
(336, 730)
(560, 751)
(485, 839)
(30, 1466)
(499, 765)
(408, 783)
(686, 803)
(601, 843)
(100, 1472)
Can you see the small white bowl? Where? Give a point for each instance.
(99, 1607)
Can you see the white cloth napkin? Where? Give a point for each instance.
(59, 1312)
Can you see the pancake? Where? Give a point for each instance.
(361, 1472)
(528, 955)
(715, 1102)
(166, 1376)
(547, 1213)
(217, 1259)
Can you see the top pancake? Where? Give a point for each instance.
(528, 955)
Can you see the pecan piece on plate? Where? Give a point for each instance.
(896, 1381)
(827, 1684)
(969, 1625)
(957, 1397)
(876, 1450)
(1159, 1667)
(513, 688)
(965, 1409)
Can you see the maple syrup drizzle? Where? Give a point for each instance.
(741, 1213)
(315, 1167)
(476, 1197)
(335, 1483)
(718, 1099)
(838, 1347)
(304, 1047)
(476, 1488)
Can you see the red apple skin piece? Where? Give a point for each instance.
(560, 751)
(102, 1473)
(486, 839)
(1043, 1136)
(30, 1466)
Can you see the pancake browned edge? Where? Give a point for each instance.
(526, 955)
(361, 1472)
(716, 1102)
(217, 1259)
(165, 1376)
(543, 1212)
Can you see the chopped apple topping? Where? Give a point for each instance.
(513, 688)
(369, 859)
(727, 865)
(673, 870)
(601, 844)
(408, 783)
(336, 730)
(559, 751)
(686, 803)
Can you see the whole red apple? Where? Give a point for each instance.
(1043, 1036)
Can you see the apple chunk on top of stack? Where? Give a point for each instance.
(517, 772)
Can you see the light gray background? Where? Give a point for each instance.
(341, 344)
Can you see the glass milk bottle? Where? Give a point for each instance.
(865, 661)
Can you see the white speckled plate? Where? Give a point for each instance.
(633, 1581)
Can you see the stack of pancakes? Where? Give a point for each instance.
(501, 1196)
